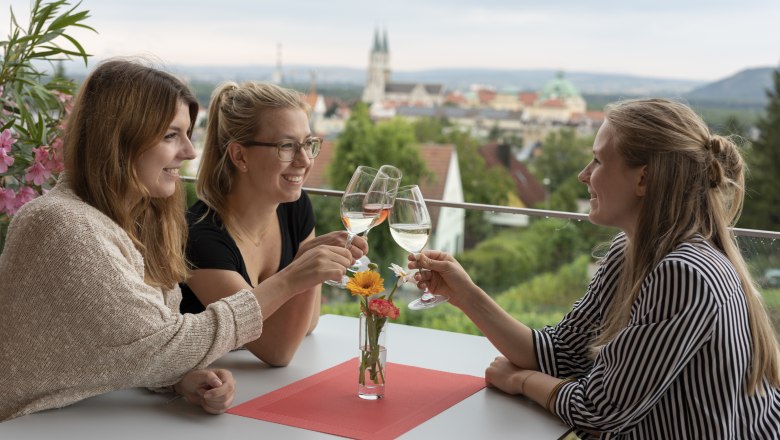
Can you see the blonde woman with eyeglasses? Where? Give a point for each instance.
(253, 220)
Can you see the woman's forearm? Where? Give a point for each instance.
(511, 337)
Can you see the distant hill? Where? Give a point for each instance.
(747, 86)
(586, 82)
(453, 79)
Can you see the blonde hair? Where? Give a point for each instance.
(234, 115)
(699, 180)
(122, 110)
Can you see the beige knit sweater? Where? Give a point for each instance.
(77, 319)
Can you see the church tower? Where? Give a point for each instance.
(277, 77)
(378, 69)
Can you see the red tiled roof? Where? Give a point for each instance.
(311, 99)
(554, 103)
(317, 176)
(455, 98)
(528, 98)
(528, 189)
(485, 95)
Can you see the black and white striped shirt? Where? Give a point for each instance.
(677, 371)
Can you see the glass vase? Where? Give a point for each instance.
(372, 358)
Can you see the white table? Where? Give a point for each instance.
(139, 414)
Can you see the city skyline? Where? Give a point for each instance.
(690, 39)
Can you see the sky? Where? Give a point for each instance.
(683, 39)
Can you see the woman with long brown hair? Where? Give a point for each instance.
(89, 292)
(672, 339)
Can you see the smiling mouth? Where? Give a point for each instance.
(293, 179)
(171, 171)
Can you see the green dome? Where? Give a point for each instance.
(559, 88)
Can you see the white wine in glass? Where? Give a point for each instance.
(384, 187)
(353, 208)
(410, 226)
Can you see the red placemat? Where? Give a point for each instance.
(328, 401)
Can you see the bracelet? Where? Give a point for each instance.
(554, 392)
(522, 384)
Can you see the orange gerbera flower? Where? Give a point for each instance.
(366, 283)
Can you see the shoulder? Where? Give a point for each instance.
(60, 213)
(611, 263)
(209, 245)
(200, 215)
(203, 222)
(699, 261)
(59, 228)
(695, 276)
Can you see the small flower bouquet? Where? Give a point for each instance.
(374, 313)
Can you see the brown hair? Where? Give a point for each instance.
(122, 110)
(699, 179)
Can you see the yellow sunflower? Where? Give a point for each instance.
(366, 283)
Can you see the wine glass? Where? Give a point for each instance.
(358, 208)
(387, 180)
(410, 226)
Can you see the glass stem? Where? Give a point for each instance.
(350, 237)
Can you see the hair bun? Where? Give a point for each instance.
(725, 161)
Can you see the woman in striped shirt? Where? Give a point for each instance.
(671, 339)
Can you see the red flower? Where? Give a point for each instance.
(383, 307)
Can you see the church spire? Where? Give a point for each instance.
(377, 42)
(385, 46)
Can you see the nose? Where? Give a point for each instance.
(188, 150)
(301, 158)
(584, 175)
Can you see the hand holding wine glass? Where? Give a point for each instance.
(385, 184)
(357, 207)
(410, 226)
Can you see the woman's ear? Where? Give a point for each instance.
(237, 156)
(641, 186)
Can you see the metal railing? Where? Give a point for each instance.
(543, 213)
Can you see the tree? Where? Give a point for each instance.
(563, 155)
(34, 103)
(365, 143)
(481, 184)
(763, 198)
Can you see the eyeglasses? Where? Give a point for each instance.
(287, 149)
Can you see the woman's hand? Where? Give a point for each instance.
(443, 274)
(212, 389)
(506, 376)
(358, 248)
(315, 266)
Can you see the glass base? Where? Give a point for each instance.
(340, 285)
(421, 304)
(360, 265)
(371, 393)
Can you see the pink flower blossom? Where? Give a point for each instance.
(37, 174)
(25, 194)
(6, 140)
(41, 154)
(383, 307)
(57, 162)
(7, 201)
(5, 161)
(63, 97)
